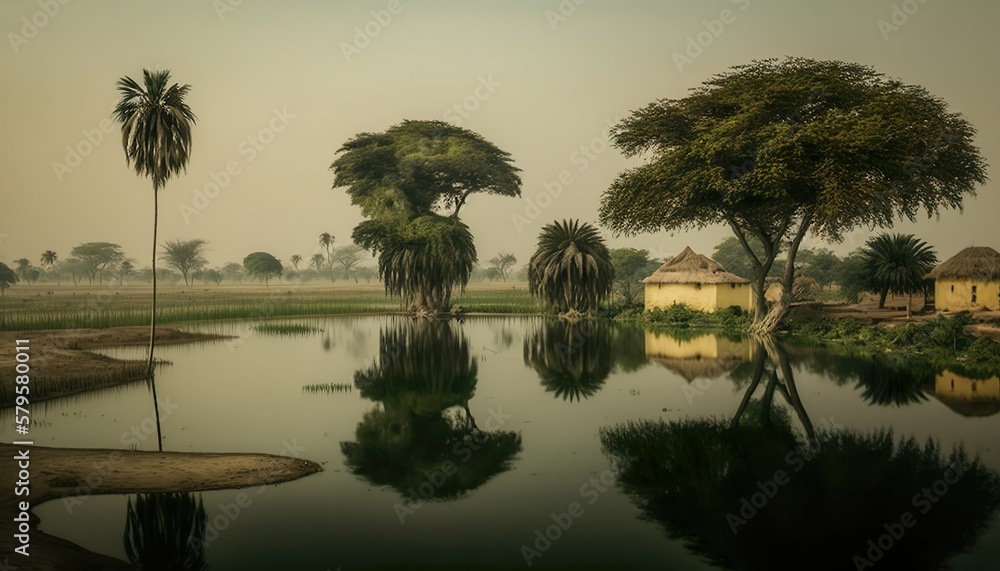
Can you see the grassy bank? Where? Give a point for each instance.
(30, 308)
(943, 342)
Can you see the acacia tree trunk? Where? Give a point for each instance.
(767, 323)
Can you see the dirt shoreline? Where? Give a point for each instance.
(61, 363)
(72, 473)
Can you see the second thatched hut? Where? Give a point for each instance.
(969, 280)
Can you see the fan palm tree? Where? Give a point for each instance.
(422, 260)
(49, 259)
(166, 531)
(897, 264)
(326, 240)
(571, 269)
(156, 137)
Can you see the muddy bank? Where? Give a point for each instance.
(58, 472)
(61, 364)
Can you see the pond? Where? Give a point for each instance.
(508, 441)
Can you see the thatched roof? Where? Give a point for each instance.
(977, 407)
(691, 268)
(974, 263)
(691, 369)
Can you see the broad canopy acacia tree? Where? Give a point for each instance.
(185, 256)
(777, 150)
(411, 181)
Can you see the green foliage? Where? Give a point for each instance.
(185, 256)
(940, 343)
(502, 263)
(94, 258)
(262, 265)
(417, 167)
(680, 316)
(284, 329)
(7, 277)
(405, 180)
(779, 149)
(896, 264)
(571, 268)
(156, 125)
(102, 311)
(631, 267)
(422, 260)
(730, 253)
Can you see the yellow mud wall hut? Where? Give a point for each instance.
(970, 280)
(697, 281)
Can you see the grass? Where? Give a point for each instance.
(329, 388)
(942, 343)
(30, 308)
(681, 317)
(116, 373)
(284, 329)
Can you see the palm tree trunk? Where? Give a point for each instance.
(152, 323)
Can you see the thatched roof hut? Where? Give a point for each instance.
(974, 263)
(691, 268)
(691, 369)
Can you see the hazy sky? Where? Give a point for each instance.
(279, 86)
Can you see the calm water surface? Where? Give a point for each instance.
(512, 426)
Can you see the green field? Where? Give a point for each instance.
(27, 308)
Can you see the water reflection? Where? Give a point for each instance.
(762, 491)
(968, 396)
(424, 431)
(704, 355)
(165, 532)
(573, 360)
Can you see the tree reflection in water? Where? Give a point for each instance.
(424, 378)
(818, 496)
(573, 360)
(165, 532)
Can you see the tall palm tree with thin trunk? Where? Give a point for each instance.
(326, 240)
(571, 269)
(156, 137)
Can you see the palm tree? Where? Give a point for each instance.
(156, 137)
(425, 260)
(326, 240)
(166, 531)
(316, 261)
(295, 260)
(571, 270)
(49, 259)
(897, 264)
